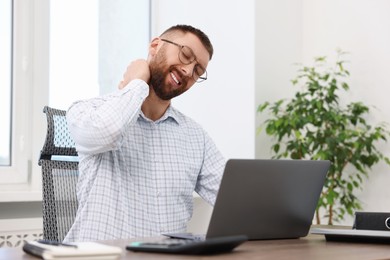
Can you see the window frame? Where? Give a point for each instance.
(21, 181)
(7, 80)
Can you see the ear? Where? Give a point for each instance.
(154, 46)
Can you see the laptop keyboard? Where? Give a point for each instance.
(187, 236)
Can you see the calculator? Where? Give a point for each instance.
(186, 246)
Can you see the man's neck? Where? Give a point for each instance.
(154, 107)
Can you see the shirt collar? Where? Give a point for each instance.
(170, 113)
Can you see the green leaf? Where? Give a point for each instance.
(350, 187)
(263, 106)
(276, 148)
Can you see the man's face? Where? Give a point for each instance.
(169, 76)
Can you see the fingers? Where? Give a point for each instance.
(122, 84)
(138, 69)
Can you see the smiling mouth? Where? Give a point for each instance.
(175, 79)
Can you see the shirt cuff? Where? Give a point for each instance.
(137, 84)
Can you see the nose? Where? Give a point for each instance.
(187, 69)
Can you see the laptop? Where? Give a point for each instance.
(265, 199)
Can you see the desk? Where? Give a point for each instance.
(310, 247)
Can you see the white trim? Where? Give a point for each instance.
(20, 224)
(41, 87)
(20, 196)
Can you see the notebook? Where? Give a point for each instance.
(265, 199)
(81, 250)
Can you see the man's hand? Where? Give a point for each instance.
(138, 69)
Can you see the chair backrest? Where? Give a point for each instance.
(59, 163)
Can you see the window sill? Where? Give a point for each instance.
(20, 196)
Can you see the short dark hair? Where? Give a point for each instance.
(189, 29)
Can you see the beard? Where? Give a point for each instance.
(159, 71)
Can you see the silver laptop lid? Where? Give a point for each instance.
(267, 199)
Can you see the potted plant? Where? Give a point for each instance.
(316, 125)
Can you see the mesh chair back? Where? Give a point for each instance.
(59, 164)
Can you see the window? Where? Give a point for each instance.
(16, 24)
(55, 52)
(5, 81)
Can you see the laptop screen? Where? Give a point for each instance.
(267, 199)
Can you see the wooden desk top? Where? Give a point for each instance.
(310, 247)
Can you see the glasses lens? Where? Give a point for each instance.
(199, 71)
(186, 55)
(201, 78)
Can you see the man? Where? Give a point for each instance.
(140, 158)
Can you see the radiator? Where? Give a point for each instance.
(14, 232)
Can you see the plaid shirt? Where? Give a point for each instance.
(137, 176)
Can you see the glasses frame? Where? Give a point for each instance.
(199, 77)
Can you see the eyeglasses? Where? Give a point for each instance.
(187, 56)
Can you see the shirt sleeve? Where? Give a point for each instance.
(97, 125)
(211, 172)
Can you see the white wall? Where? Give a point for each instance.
(317, 28)
(278, 46)
(224, 104)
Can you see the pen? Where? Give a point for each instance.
(54, 243)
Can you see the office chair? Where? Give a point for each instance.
(59, 163)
